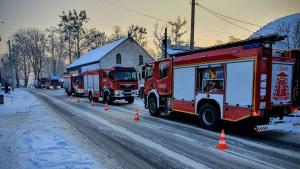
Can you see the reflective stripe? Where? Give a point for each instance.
(296, 124)
(264, 128)
(222, 142)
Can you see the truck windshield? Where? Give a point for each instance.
(126, 76)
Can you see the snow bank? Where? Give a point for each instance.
(33, 137)
(295, 117)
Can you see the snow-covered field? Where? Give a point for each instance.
(33, 137)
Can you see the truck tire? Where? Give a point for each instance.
(153, 110)
(90, 96)
(130, 100)
(95, 99)
(209, 116)
(75, 93)
(107, 99)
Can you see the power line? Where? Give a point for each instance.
(228, 17)
(238, 20)
(222, 18)
(134, 11)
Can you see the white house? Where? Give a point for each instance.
(123, 52)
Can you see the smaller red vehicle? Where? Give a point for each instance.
(115, 83)
(73, 84)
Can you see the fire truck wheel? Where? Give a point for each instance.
(95, 99)
(209, 117)
(107, 99)
(130, 100)
(90, 96)
(153, 110)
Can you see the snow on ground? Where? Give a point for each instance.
(33, 137)
(139, 101)
(295, 117)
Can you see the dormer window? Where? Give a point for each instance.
(118, 59)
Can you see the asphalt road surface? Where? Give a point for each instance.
(166, 142)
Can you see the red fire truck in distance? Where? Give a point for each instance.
(231, 82)
(115, 83)
(73, 84)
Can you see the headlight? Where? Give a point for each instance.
(135, 92)
(117, 93)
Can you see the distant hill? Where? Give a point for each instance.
(288, 25)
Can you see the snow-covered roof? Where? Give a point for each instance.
(274, 28)
(96, 54)
(174, 49)
(171, 51)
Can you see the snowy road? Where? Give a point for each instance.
(167, 143)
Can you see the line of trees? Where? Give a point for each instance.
(43, 53)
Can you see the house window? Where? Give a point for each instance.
(141, 60)
(118, 59)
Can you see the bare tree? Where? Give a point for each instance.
(52, 31)
(178, 30)
(56, 48)
(158, 35)
(95, 38)
(72, 25)
(37, 43)
(138, 33)
(61, 49)
(15, 52)
(22, 45)
(117, 33)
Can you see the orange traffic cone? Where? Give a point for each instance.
(92, 103)
(106, 109)
(222, 142)
(78, 99)
(136, 116)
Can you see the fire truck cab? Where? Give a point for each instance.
(231, 82)
(115, 83)
(73, 84)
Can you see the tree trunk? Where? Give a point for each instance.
(78, 47)
(17, 74)
(70, 49)
(25, 72)
(53, 56)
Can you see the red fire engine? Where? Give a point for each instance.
(73, 84)
(111, 84)
(231, 82)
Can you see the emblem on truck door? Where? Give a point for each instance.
(281, 87)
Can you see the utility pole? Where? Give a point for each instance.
(165, 41)
(10, 62)
(192, 25)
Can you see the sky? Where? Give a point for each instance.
(208, 29)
